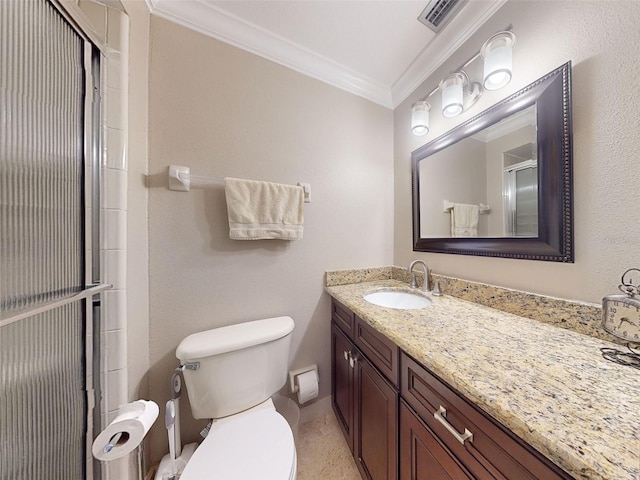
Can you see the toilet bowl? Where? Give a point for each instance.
(231, 373)
(255, 444)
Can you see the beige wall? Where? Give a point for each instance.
(601, 39)
(463, 166)
(225, 112)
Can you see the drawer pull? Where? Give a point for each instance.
(461, 437)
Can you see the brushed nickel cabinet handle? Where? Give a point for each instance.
(461, 437)
(349, 356)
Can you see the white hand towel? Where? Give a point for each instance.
(263, 210)
(464, 220)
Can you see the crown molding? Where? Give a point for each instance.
(510, 124)
(465, 24)
(215, 22)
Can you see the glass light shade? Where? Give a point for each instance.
(498, 60)
(452, 87)
(420, 118)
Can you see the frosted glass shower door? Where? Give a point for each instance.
(45, 343)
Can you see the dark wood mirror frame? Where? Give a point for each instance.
(551, 95)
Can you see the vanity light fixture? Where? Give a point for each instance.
(497, 53)
(452, 87)
(452, 94)
(459, 93)
(420, 118)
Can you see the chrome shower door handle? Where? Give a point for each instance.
(440, 415)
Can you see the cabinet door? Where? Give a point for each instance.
(422, 455)
(376, 424)
(342, 382)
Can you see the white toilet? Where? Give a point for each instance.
(231, 374)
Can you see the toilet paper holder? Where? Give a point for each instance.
(293, 387)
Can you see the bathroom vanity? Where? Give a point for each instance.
(365, 384)
(459, 390)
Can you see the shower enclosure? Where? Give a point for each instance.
(49, 255)
(520, 191)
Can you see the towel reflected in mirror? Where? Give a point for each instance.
(464, 220)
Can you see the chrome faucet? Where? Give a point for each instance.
(425, 268)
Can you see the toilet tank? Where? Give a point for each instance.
(239, 366)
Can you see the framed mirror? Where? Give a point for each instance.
(500, 184)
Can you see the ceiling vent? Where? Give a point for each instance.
(438, 13)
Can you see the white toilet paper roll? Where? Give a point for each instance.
(126, 431)
(307, 386)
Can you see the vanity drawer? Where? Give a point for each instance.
(380, 351)
(422, 454)
(493, 452)
(343, 317)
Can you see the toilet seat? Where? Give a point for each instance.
(246, 446)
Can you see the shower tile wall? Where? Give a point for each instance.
(114, 226)
(110, 29)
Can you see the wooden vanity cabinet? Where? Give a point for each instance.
(492, 452)
(422, 455)
(364, 400)
(342, 374)
(379, 350)
(387, 405)
(343, 317)
(376, 424)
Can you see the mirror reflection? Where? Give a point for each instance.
(500, 184)
(485, 185)
(520, 192)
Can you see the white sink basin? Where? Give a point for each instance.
(399, 299)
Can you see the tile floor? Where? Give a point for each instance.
(322, 451)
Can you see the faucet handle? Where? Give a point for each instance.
(436, 289)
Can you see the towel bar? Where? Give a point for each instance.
(181, 180)
(483, 209)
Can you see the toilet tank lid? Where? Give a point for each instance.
(233, 337)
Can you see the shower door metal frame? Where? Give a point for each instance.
(93, 170)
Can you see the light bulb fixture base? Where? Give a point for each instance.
(474, 93)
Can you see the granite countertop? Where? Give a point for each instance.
(549, 385)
